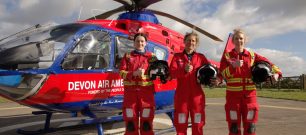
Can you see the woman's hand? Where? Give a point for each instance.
(237, 63)
(188, 67)
(139, 72)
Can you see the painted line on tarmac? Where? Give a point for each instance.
(19, 126)
(12, 108)
(283, 107)
(267, 106)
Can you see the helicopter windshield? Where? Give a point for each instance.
(91, 52)
(36, 49)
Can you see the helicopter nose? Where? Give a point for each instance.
(19, 87)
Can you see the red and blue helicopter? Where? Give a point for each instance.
(73, 67)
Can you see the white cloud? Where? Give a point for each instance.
(2, 10)
(290, 64)
(25, 4)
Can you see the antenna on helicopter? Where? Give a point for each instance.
(80, 12)
(93, 14)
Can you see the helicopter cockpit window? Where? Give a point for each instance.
(36, 48)
(124, 45)
(91, 52)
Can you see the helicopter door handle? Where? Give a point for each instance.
(109, 70)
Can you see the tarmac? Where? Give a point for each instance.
(276, 117)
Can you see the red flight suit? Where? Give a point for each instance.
(189, 96)
(138, 94)
(241, 104)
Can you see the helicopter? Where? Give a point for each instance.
(73, 67)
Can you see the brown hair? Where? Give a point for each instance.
(140, 34)
(192, 33)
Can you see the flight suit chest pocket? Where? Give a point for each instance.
(180, 63)
(131, 63)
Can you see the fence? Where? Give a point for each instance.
(289, 83)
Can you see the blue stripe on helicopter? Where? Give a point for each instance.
(12, 80)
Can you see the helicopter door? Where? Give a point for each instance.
(91, 52)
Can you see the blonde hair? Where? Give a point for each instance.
(239, 31)
(192, 33)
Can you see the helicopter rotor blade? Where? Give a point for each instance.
(108, 13)
(125, 2)
(128, 4)
(139, 4)
(145, 3)
(187, 24)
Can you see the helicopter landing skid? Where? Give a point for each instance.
(46, 129)
(92, 120)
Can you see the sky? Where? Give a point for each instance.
(275, 28)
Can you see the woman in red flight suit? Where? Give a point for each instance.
(138, 89)
(189, 96)
(241, 104)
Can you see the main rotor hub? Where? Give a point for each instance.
(145, 16)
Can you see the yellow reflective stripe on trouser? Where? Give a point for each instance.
(252, 57)
(123, 74)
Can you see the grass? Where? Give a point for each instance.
(297, 95)
(283, 94)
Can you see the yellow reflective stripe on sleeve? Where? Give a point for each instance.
(130, 83)
(153, 58)
(275, 69)
(223, 73)
(145, 83)
(123, 74)
(234, 88)
(144, 77)
(227, 56)
(252, 57)
(226, 73)
(250, 80)
(250, 87)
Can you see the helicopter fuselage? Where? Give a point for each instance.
(75, 66)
